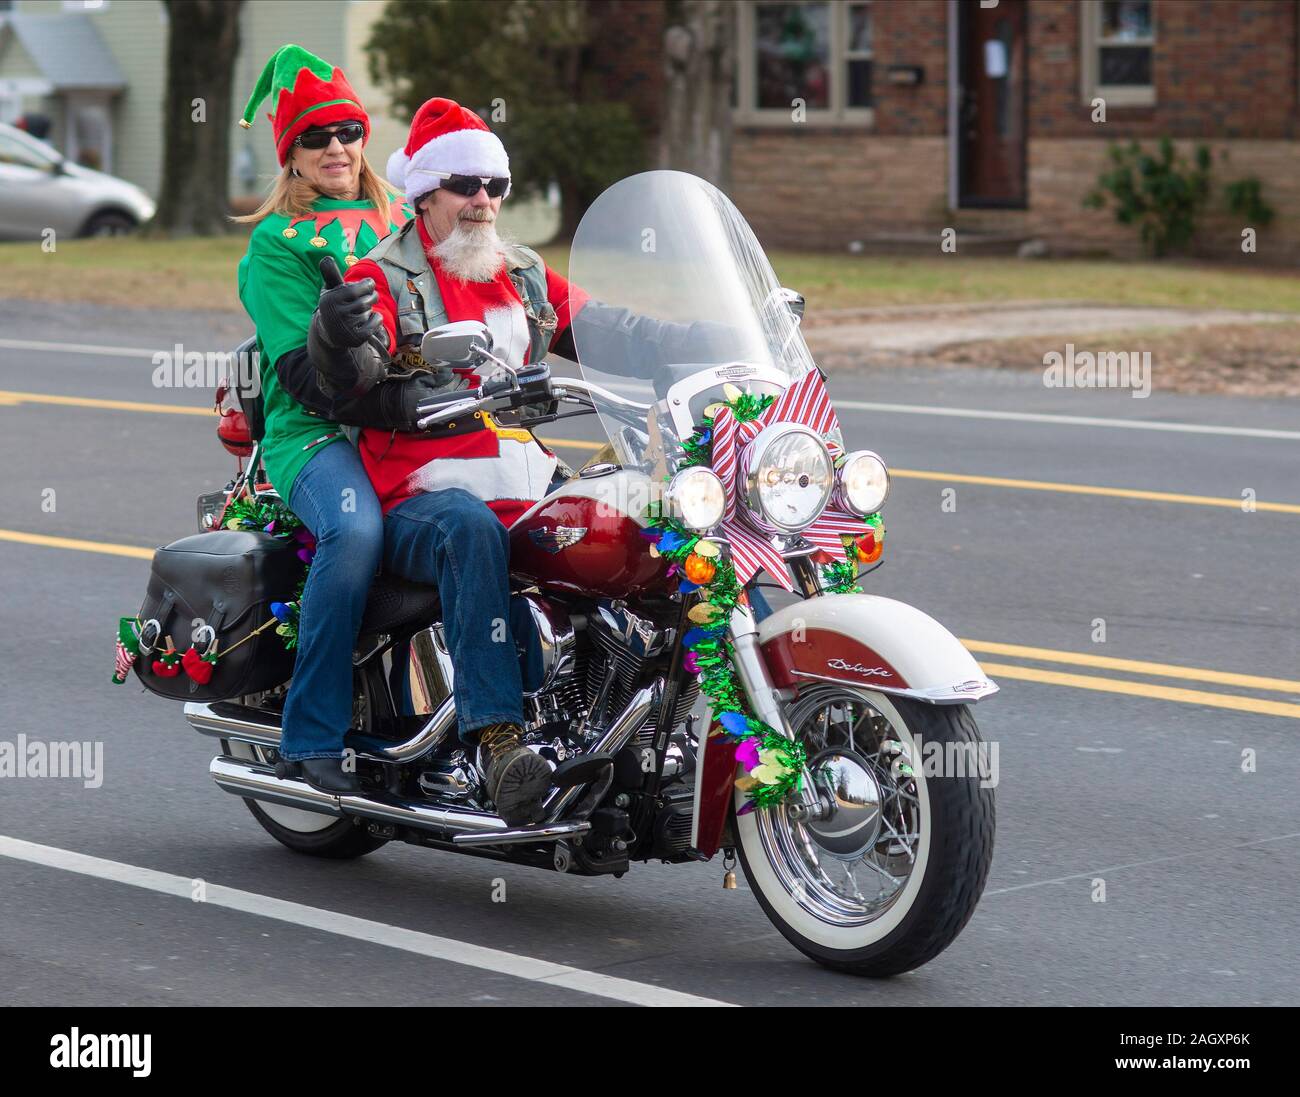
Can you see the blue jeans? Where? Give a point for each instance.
(451, 539)
(758, 604)
(333, 498)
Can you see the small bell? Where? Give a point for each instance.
(729, 873)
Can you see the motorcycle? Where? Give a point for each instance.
(801, 758)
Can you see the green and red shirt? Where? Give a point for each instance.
(279, 285)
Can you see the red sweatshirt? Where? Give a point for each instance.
(508, 469)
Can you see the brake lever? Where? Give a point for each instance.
(446, 411)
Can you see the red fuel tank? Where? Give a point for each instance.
(586, 538)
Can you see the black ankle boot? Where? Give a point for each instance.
(328, 775)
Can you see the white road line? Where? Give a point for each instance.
(1027, 416)
(854, 405)
(360, 929)
(1069, 420)
(1141, 864)
(82, 348)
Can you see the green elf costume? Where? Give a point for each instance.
(279, 277)
(280, 284)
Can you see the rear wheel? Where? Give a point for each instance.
(306, 832)
(887, 880)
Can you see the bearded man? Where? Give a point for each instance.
(449, 493)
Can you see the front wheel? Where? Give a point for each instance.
(886, 879)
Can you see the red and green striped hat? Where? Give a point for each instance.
(309, 92)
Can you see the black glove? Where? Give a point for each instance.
(346, 309)
(399, 401)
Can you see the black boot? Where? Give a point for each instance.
(328, 775)
(516, 778)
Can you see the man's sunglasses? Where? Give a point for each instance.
(319, 139)
(469, 185)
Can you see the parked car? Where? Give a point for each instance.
(41, 189)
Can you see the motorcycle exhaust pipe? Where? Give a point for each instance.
(620, 733)
(226, 720)
(256, 781)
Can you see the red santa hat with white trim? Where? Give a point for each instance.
(445, 137)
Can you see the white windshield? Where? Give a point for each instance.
(683, 302)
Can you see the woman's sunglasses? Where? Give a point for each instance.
(469, 185)
(319, 139)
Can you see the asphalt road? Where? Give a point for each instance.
(1130, 773)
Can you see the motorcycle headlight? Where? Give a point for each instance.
(790, 476)
(695, 497)
(864, 482)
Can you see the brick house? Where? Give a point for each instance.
(910, 116)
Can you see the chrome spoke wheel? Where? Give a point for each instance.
(849, 864)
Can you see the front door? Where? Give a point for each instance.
(992, 73)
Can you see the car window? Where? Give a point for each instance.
(11, 152)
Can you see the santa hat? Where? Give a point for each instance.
(445, 137)
(309, 93)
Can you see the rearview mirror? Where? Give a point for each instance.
(794, 302)
(458, 344)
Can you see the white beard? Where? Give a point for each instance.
(473, 252)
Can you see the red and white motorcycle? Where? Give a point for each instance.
(679, 724)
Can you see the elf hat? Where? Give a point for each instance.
(445, 137)
(309, 93)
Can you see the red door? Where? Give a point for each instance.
(992, 100)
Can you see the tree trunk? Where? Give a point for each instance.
(699, 67)
(202, 41)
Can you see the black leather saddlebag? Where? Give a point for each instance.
(225, 580)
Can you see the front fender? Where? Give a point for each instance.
(872, 642)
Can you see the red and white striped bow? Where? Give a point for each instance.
(805, 402)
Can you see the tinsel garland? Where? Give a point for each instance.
(773, 764)
(273, 517)
(841, 576)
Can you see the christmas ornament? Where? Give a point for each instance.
(199, 667)
(127, 648)
(699, 569)
(168, 664)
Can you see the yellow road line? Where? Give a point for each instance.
(1088, 489)
(570, 443)
(1137, 666)
(1142, 689)
(998, 670)
(15, 398)
(106, 547)
(1035, 485)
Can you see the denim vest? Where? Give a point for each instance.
(419, 303)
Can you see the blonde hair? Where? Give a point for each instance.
(292, 195)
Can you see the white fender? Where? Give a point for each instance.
(873, 642)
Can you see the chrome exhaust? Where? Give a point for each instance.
(259, 782)
(620, 733)
(227, 720)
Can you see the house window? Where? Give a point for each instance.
(1119, 38)
(814, 53)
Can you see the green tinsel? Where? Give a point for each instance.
(717, 678)
(842, 578)
(255, 514)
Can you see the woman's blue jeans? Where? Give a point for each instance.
(451, 539)
(333, 498)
